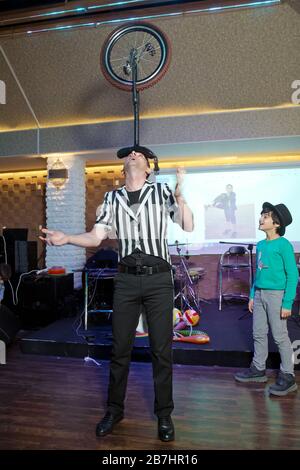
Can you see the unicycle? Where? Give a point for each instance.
(141, 46)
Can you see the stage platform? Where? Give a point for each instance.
(230, 345)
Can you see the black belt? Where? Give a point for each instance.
(144, 270)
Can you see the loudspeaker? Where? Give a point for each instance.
(42, 300)
(25, 256)
(9, 325)
(12, 235)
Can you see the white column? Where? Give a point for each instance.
(65, 211)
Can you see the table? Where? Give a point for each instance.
(95, 273)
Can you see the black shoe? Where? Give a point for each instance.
(285, 384)
(251, 375)
(166, 431)
(106, 425)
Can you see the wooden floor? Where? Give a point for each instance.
(55, 403)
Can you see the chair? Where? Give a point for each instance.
(236, 258)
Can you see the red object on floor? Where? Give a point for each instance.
(56, 270)
(197, 338)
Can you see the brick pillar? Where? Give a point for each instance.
(65, 211)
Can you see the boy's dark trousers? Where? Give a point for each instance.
(156, 293)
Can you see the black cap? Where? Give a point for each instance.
(124, 152)
(283, 214)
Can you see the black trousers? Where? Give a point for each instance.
(155, 292)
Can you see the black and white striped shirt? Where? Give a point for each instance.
(144, 229)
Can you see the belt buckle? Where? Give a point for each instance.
(138, 270)
(143, 270)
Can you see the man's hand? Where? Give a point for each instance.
(285, 313)
(180, 173)
(54, 237)
(250, 305)
(186, 216)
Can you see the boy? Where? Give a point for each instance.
(271, 299)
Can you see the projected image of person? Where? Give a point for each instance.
(227, 202)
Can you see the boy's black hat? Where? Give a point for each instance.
(124, 152)
(283, 214)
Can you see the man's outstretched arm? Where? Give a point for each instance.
(85, 240)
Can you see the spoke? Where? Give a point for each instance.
(143, 44)
(144, 52)
(135, 39)
(121, 58)
(146, 35)
(119, 67)
(143, 73)
(124, 46)
(147, 69)
(149, 60)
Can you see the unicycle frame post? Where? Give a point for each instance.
(135, 96)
